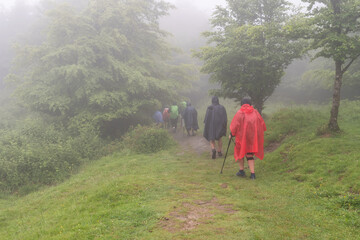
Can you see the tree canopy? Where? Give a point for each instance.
(249, 49)
(334, 32)
(105, 63)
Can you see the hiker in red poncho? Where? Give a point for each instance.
(248, 128)
(166, 117)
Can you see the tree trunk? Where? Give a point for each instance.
(333, 124)
(258, 105)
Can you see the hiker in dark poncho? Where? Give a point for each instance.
(190, 119)
(215, 125)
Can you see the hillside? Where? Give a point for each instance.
(307, 187)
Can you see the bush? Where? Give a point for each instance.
(144, 139)
(41, 154)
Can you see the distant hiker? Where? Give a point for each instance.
(190, 119)
(158, 118)
(166, 117)
(174, 115)
(182, 107)
(215, 125)
(248, 128)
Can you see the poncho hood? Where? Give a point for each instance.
(246, 108)
(215, 100)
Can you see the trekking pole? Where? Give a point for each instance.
(226, 154)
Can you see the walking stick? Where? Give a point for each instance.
(226, 154)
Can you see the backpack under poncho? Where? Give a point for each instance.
(174, 112)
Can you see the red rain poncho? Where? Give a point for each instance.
(248, 127)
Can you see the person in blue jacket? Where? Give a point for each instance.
(158, 118)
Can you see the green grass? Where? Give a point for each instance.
(308, 188)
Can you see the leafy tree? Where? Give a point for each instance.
(334, 33)
(100, 65)
(250, 49)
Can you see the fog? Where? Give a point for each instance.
(7, 5)
(205, 6)
(185, 22)
(81, 79)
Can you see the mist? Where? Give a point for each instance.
(81, 80)
(186, 23)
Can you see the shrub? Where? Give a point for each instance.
(143, 139)
(41, 154)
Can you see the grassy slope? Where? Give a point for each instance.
(306, 189)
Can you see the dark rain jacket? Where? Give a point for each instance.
(190, 118)
(215, 121)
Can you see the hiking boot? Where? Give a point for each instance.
(252, 177)
(219, 154)
(213, 154)
(241, 173)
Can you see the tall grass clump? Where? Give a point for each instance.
(290, 121)
(147, 139)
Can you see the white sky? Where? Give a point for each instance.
(204, 5)
(207, 5)
(8, 4)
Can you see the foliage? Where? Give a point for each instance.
(37, 154)
(334, 32)
(308, 188)
(251, 48)
(107, 62)
(98, 66)
(144, 139)
(334, 29)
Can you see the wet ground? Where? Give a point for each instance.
(195, 143)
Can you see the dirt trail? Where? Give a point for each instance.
(189, 215)
(200, 145)
(195, 143)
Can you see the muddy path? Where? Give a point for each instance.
(200, 145)
(195, 143)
